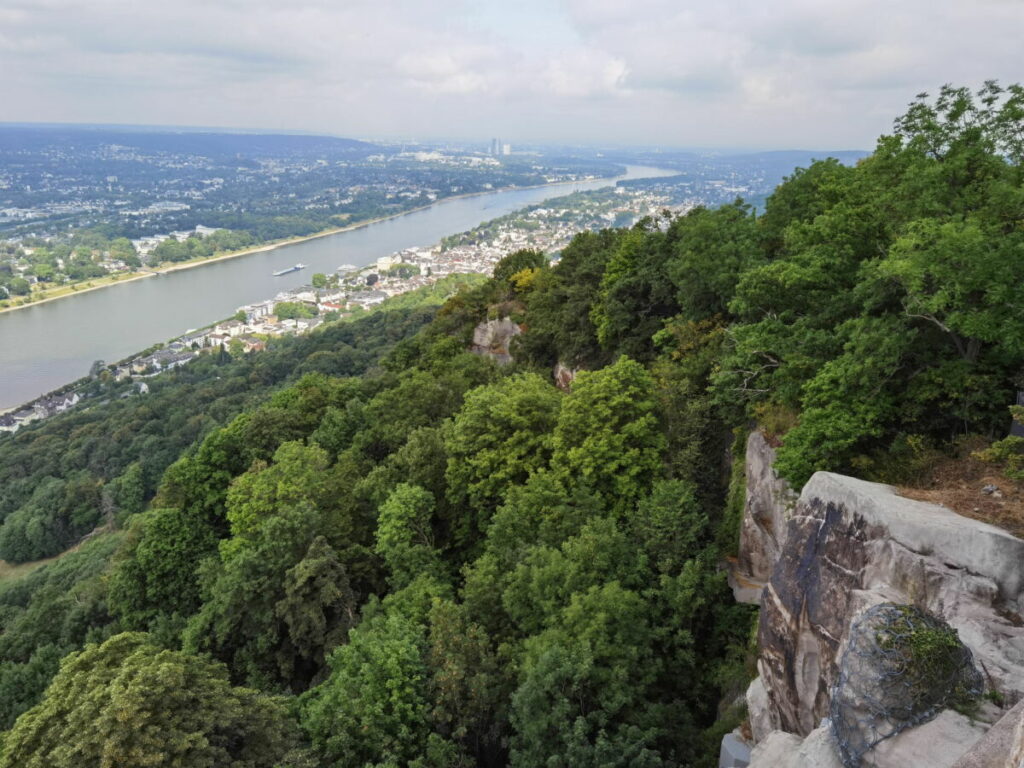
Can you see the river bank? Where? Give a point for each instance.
(77, 289)
(55, 342)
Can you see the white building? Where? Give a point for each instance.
(232, 328)
(385, 263)
(254, 312)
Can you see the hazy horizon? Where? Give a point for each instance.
(482, 140)
(654, 73)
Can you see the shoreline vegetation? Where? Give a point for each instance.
(95, 284)
(435, 294)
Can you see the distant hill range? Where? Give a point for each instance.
(212, 144)
(714, 178)
(782, 162)
(774, 162)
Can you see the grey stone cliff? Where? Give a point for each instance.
(843, 546)
(768, 506)
(491, 339)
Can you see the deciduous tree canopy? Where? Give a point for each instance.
(440, 561)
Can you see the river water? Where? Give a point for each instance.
(46, 346)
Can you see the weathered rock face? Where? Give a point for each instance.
(1016, 758)
(851, 544)
(563, 376)
(826, 557)
(1001, 747)
(491, 338)
(762, 716)
(935, 744)
(769, 504)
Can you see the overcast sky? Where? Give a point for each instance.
(813, 74)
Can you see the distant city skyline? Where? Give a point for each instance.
(795, 73)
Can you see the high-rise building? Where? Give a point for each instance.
(506, 149)
(495, 147)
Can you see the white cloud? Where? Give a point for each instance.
(731, 72)
(584, 73)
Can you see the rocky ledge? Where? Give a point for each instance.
(842, 547)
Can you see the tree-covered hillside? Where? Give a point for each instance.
(377, 548)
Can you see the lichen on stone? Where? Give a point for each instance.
(902, 666)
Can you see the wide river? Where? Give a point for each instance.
(46, 346)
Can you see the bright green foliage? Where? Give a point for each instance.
(89, 449)
(804, 195)
(290, 310)
(669, 525)
(200, 481)
(559, 307)
(607, 433)
(158, 574)
(339, 425)
(501, 435)
(298, 475)
(1009, 450)
(482, 584)
(711, 249)
(153, 582)
(373, 709)
(501, 573)
(283, 590)
(128, 492)
(405, 538)
(127, 703)
(420, 461)
(581, 699)
(516, 262)
(890, 305)
(960, 276)
(542, 511)
(847, 402)
(547, 577)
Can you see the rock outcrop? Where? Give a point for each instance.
(768, 507)
(491, 339)
(852, 544)
(1001, 747)
(935, 744)
(843, 546)
(563, 376)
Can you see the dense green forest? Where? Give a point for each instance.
(371, 547)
